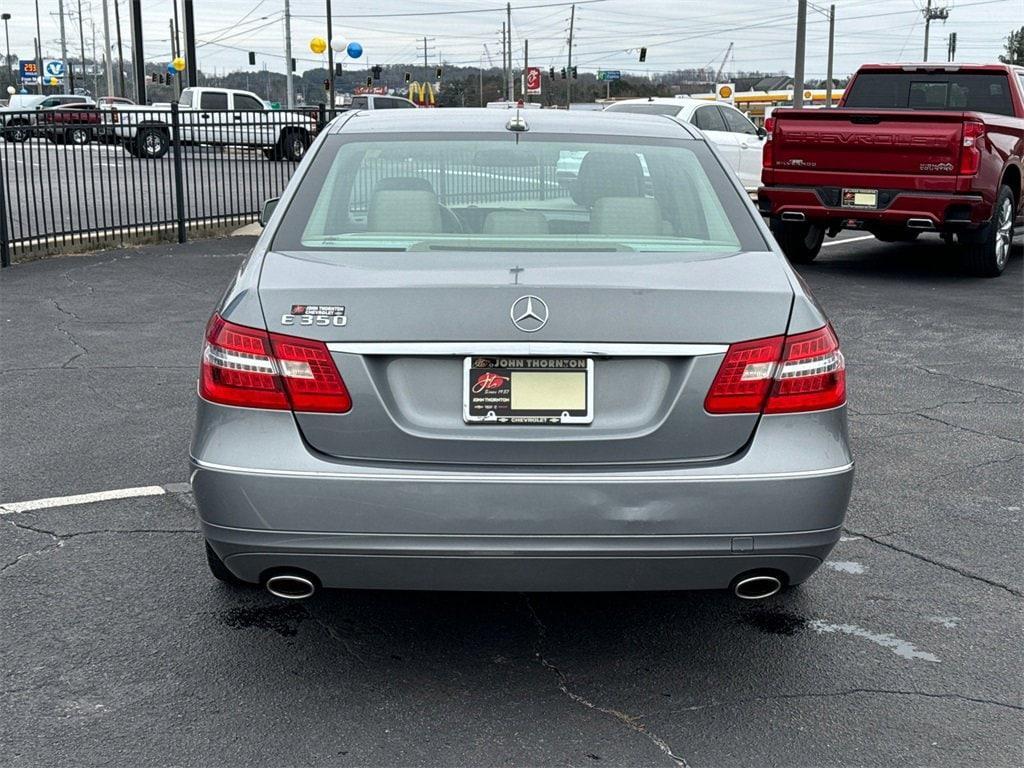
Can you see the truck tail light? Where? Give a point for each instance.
(970, 154)
(768, 149)
(781, 374)
(251, 368)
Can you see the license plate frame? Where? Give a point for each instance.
(859, 199)
(490, 400)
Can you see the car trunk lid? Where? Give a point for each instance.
(409, 327)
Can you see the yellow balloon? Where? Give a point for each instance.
(53, 81)
(178, 64)
(318, 45)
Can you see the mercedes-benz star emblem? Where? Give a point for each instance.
(529, 313)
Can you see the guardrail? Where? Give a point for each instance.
(90, 177)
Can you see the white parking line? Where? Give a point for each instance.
(848, 240)
(15, 507)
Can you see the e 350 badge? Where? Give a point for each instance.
(315, 314)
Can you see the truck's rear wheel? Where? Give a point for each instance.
(78, 135)
(800, 240)
(292, 146)
(152, 143)
(16, 130)
(986, 251)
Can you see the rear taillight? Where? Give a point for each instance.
(251, 368)
(781, 374)
(970, 154)
(768, 148)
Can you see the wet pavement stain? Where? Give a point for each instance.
(282, 619)
(775, 622)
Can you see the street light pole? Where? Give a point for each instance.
(801, 44)
(106, 49)
(330, 59)
(7, 61)
(120, 50)
(39, 52)
(289, 74)
(831, 51)
(64, 48)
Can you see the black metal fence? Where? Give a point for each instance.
(90, 177)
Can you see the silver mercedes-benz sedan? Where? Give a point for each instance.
(447, 365)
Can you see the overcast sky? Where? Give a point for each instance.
(678, 34)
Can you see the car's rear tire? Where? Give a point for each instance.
(219, 570)
(800, 240)
(78, 135)
(152, 143)
(16, 131)
(986, 251)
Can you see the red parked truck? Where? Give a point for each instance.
(912, 148)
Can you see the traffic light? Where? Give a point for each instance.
(408, 77)
(337, 69)
(369, 81)
(294, 65)
(563, 73)
(551, 73)
(438, 73)
(252, 59)
(327, 84)
(377, 70)
(643, 54)
(574, 73)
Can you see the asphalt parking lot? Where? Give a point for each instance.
(119, 648)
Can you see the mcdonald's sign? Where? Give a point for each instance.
(422, 94)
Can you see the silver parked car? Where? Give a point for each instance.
(444, 368)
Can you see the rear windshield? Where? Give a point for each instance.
(534, 194)
(652, 108)
(952, 91)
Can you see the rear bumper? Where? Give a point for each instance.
(778, 506)
(944, 211)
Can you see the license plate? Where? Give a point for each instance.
(860, 198)
(528, 390)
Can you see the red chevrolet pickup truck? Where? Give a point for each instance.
(911, 148)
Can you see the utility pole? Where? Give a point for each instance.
(7, 62)
(289, 79)
(511, 82)
(106, 48)
(526, 67)
(568, 70)
(801, 44)
(81, 39)
(330, 61)
(64, 46)
(951, 48)
(191, 65)
(137, 57)
(481, 78)
(120, 50)
(831, 52)
(504, 61)
(177, 49)
(39, 52)
(932, 14)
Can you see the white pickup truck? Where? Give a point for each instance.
(215, 116)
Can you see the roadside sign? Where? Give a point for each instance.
(609, 74)
(380, 90)
(726, 92)
(54, 68)
(29, 71)
(533, 80)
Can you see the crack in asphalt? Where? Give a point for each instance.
(969, 468)
(70, 336)
(945, 374)
(59, 539)
(330, 630)
(931, 561)
(39, 368)
(936, 419)
(630, 721)
(848, 692)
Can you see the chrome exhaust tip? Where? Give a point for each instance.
(920, 224)
(290, 586)
(756, 587)
(793, 216)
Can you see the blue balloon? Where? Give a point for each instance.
(355, 50)
(171, 69)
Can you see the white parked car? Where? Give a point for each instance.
(737, 139)
(215, 116)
